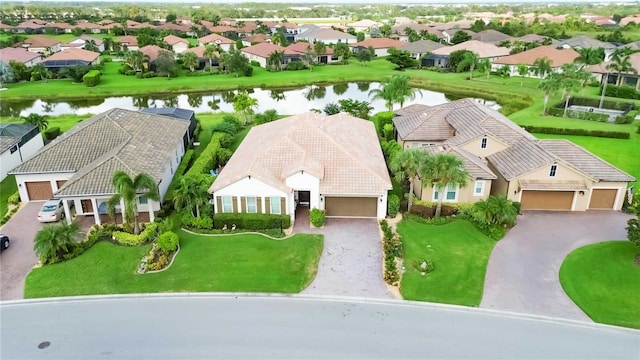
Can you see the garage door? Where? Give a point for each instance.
(603, 198)
(546, 200)
(351, 206)
(39, 190)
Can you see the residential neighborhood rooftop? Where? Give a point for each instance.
(558, 57)
(483, 50)
(74, 54)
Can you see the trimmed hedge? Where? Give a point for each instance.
(92, 78)
(52, 133)
(206, 160)
(393, 205)
(168, 241)
(625, 92)
(595, 103)
(381, 119)
(317, 217)
(124, 238)
(627, 119)
(581, 132)
(251, 221)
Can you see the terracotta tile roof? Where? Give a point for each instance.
(491, 36)
(557, 56)
(520, 158)
(378, 43)
(74, 54)
(152, 51)
(40, 41)
(17, 54)
(199, 51)
(342, 151)
(630, 19)
(265, 49)
(584, 42)
(257, 38)
(172, 40)
(483, 50)
(97, 41)
(301, 47)
(421, 46)
(175, 27)
(476, 167)
(215, 39)
(411, 109)
(31, 24)
(113, 140)
(60, 25)
(87, 25)
(221, 29)
(603, 68)
(128, 40)
(529, 38)
(5, 26)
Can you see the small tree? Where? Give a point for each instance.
(633, 233)
(53, 241)
(245, 105)
(542, 67)
(441, 171)
(485, 66)
(190, 61)
(405, 166)
(127, 191)
(523, 70)
(364, 55)
(550, 85)
(166, 63)
(460, 37)
(343, 51)
(401, 58)
(276, 58)
(469, 61)
(190, 194)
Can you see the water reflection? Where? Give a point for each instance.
(290, 101)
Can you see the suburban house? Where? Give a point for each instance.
(71, 57)
(178, 113)
(31, 26)
(629, 19)
(363, 25)
(59, 27)
(313, 33)
(87, 26)
(302, 47)
(586, 42)
(260, 53)
(449, 33)
(504, 159)
(18, 142)
(399, 32)
(307, 161)
(535, 38)
(41, 45)
(178, 44)
(380, 46)
(629, 78)
(215, 39)
(204, 61)
(20, 55)
(557, 56)
(81, 41)
(78, 166)
(152, 52)
(256, 39)
(128, 42)
(490, 36)
(419, 48)
(440, 57)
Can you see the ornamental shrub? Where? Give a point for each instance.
(246, 221)
(206, 160)
(14, 199)
(317, 217)
(92, 78)
(168, 241)
(296, 65)
(393, 205)
(52, 133)
(582, 132)
(146, 235)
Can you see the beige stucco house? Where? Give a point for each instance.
(333, 163)
(504, 159)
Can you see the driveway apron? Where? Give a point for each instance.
(17, 261)
(523, 271)
(351, 261)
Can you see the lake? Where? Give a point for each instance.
(289, 101)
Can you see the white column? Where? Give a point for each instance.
(67, 211)
(239, 203)
(96, 211)
(263, 205)
(124, 220)
(150, 206)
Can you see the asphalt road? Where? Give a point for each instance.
(228, 326)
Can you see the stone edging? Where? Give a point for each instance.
(168, 266)
(240, 233)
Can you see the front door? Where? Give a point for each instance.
(304, 197)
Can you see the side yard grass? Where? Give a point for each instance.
(459, 252)
(8, 187)
(236, 263)
(604, 282)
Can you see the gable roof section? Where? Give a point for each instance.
(152, 51)
(173, 40)
(128, 40)
(473, 164)
(215, 38)
(421, 46)
(319, 33)
(113, 140)
(603, 68)
(39, 41)
(341, 150)
(491, 36)
(301, 48)
(557, 56)
(265, 49)
(585, 42)
(520, 158)
(74, 54)
(483, 50)
(17, 54)
(378, 43)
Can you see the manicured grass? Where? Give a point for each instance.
(238, 263)
(8, 187)
(460, 254)
(604, 282)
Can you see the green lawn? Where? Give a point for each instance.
(604, 282)
(8, 187)
(252, 263)
(460, 254)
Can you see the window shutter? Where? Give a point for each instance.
(267, 205)
(234, 203)
(219, 205)
(283, 205)
(243, 204)
(259, 204)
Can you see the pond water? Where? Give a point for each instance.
(290, 101)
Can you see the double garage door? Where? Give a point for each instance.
(41, 190)
(562, 200)
(351, 206)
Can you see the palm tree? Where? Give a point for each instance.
(405, 166)
(38, 120)
(210, 53)
(53, 241)
(621, 65)
(309, 57)
(135, 60)
(42, 72)
(245, 104)
(549, 85)
(190, 194)
(275, 59)
(441, 171)
(91, 46)
(590, 56)
(470, 60)
(485, 66)
(385, 93)
(542, 67)
(400, 85)
(190, 61)
(495, 210)
(523, 70)
(127, 190)
(319, 48)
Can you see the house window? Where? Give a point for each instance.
(227, 206)
(478, 188)
(143, 200)
(552, 171)
(274, 204)
(450, 195)
(13, 149)
(252, 204)
(483, 144)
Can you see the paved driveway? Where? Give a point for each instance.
(17, 261)
(523, 271)
(351, 261)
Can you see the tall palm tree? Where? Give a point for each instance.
(190, 194)
(53, 241)
(621, 65)
(385, 93)
(127, 190)
(542, 67)
(245, 105)
(590, 56)
(42, 72)
(485, 66)
(470, 60)
(320, 48)
(402, 89)
(441, 171)
(38, 120)
(190, 61)
(135, 60)
(405, 166)
(276, 58)
(550, 85)
(210, 53)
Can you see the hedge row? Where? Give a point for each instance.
(251, 221)
(581, 132)
(207, 159)
(627, 119)
(607, 104)
(625, 92)
(148, 234)
(583, 115)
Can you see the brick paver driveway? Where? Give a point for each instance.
(523, 271)
(351, 261)
(17, 261)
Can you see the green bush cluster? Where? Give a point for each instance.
(148, 234)
(628, 118)
(8, 216)
(381, 119)
(389, 148)
(251, 221)
(14, 199)
(393, 205)
(191, 222)
(581, 132)
(624, 92)
(392, 246)
(52, 133)
(595, 103)
(428, 211)
(168, 241)
(582, 115)
(206, 160)
(317, 217)
(105, 59)
(92, 78)
(296, 65)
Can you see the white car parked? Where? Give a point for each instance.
(51, 211)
